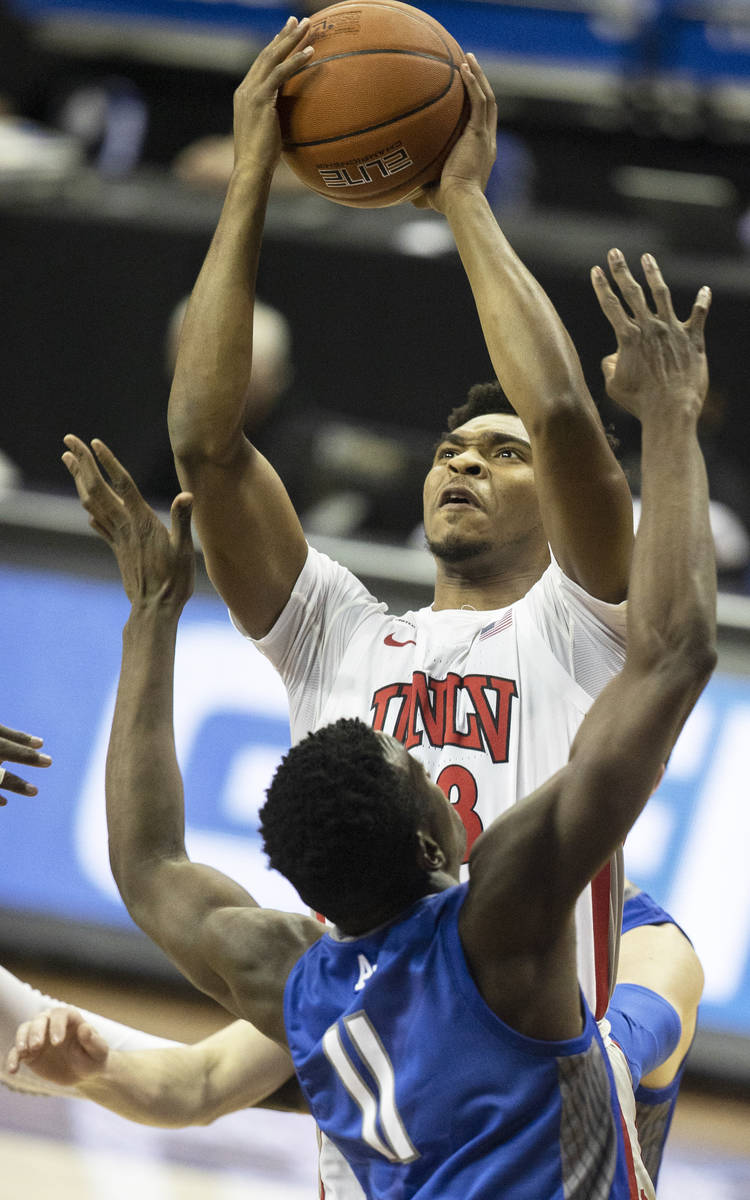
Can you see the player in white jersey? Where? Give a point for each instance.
(548, 477)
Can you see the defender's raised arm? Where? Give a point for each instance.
(551, 845)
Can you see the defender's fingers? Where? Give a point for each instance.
(23, 739)
(181, 513)
(632, 291)
(696, 322)
(79, 460)
(20, 1047)
(26, 753)
(93, 490)
(13, 783)
(609, 365)
(37, 1032)
(58, 1025)
(610, 304)
(121, 479)
(659, 290)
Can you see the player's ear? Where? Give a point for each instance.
(430, 856)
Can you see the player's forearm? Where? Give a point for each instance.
(145, 814)
(533, 356)
(152, 1087)
(672, 599)
(207, 405)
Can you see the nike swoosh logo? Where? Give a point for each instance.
(391, 641)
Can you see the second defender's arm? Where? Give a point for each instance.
(170, 1087)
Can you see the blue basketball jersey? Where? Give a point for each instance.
(427, 1093)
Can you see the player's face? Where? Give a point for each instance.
(446, 826)
(480, 494)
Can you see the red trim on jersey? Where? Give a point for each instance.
(601, 886)
(632, 1181)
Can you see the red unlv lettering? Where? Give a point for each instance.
(436, 710)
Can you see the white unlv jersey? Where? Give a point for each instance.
(488, 701)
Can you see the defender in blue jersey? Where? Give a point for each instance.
(438, 1032)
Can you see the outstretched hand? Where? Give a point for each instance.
(156, 564)
(257, 134)
(17, 747)
(659, 359)
(470, 161)
(58, 1045)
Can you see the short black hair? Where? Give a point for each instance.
(340, 823)
(481, 399)
(484, 398)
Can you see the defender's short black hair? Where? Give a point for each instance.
(484, 398)
(340, 822)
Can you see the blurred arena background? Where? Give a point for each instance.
(622, 122)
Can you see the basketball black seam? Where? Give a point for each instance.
(341, 137)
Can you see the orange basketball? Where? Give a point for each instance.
(373, 114)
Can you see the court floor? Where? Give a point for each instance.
(53, 1149)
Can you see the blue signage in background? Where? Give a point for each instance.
(61, 637)
(689, 847)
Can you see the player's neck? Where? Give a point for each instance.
(436, 881)
(484, 592)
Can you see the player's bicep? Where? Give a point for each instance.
(251, 537)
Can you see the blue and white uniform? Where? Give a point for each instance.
(428, 1094)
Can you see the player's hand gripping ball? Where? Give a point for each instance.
(374, 113)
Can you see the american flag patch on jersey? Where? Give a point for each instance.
(497, 626)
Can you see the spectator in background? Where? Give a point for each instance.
(344, 477)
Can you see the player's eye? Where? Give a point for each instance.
(446, 452)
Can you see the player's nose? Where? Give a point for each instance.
(468, 462)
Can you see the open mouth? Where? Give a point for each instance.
(458, 496)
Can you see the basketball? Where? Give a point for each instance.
(374, 113)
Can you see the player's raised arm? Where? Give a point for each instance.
(583, 495)
(171, 1087)
(558, 839)
(206, 923)
(252, 541)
